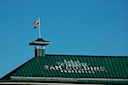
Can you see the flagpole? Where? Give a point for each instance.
(39, 29)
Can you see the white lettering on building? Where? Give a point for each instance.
(75, 67)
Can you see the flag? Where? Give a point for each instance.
(36, 23)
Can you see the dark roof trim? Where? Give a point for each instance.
(68, 80)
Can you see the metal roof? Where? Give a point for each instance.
(73, 68)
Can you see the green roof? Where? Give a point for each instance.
(72, 68)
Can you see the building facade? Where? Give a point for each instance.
(47, 69)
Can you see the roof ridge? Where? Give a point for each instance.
(82, 55)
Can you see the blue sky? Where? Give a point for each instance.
(75, 27)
